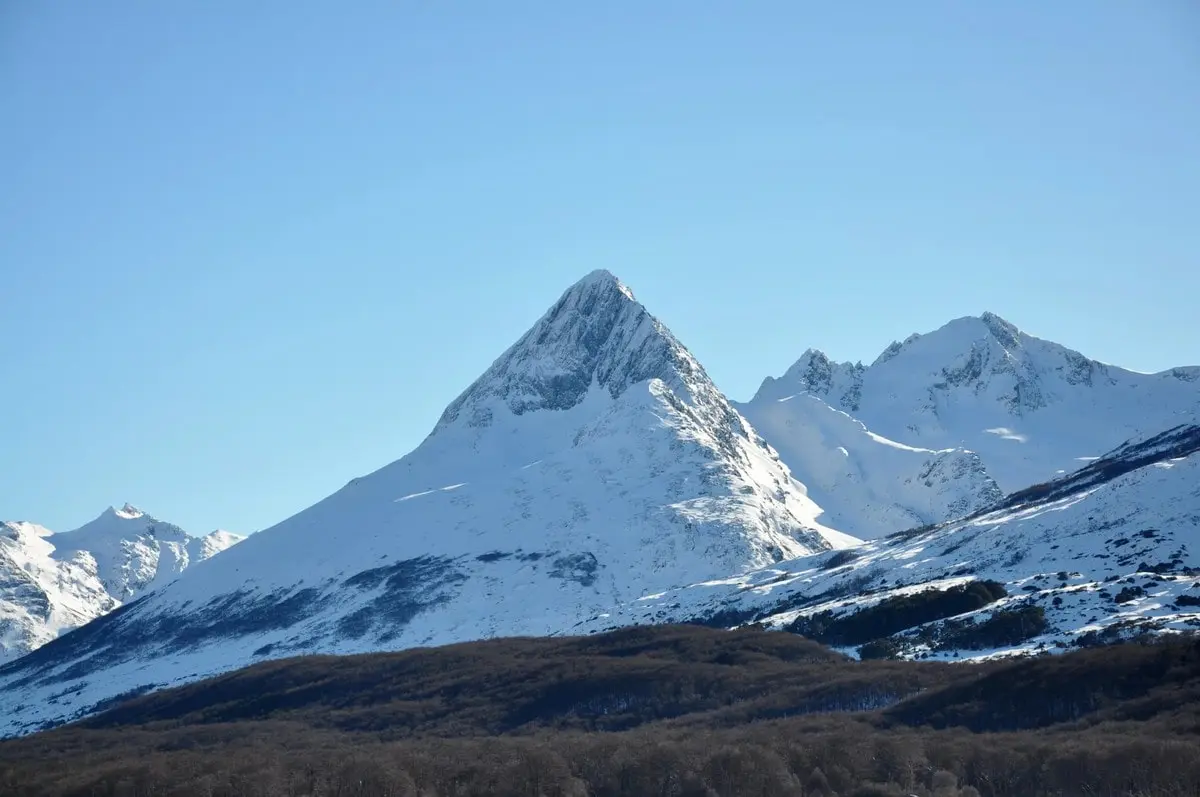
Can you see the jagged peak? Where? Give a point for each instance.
(1004, 331)
(127, 512)
(816, 355)
(891, 351)
(811, 358)
(596, 334)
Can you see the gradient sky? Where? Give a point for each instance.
(249, 251)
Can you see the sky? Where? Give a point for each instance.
(249, 251)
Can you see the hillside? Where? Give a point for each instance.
(1107, 552)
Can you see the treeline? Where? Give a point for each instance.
(895, 614)
(669, 710)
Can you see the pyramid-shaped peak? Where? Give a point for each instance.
(604, 279)
(599, 291)
(595, 336)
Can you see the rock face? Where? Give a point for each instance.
(51, 583)
(1029, 408)
(592, 463)
(1107, 552)
(596, 335)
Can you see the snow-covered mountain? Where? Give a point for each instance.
(1109, 551)
(1027, 408)
(592, 461)
(51, 583)
(867, 484)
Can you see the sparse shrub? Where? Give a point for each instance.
(1128, 594)
(1004, 627)
(842, 557)
(896, 614)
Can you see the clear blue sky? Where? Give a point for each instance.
(249, 250)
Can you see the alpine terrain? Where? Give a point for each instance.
(1029, 409)
(51, 583)
(867, 484)
(594, 477)
(593, 461)
(1107, 552)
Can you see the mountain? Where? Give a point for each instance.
(1029, 408)
(593, 461)
(1109, 551)
(867, 484)
(51, 583)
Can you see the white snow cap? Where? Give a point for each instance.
(128, 511)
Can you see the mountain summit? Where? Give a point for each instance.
(51, 583)
(1030, 408)
(596, 334)
(594, 462)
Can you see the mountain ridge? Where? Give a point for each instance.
(1030, 408)
(51, 582)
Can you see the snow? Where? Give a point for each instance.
(1027, 407)
(593, 476)
(593, 458)
(1069, 554)
(866, 484)
(51, 583)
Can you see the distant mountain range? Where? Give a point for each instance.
(594, 476)
(51, 583)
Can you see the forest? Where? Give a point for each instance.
(653, 710)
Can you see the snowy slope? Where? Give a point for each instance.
(1109, 551)
(592, 460)
(867, 484)
(1030, 408)
(50, 583)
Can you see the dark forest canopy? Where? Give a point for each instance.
(674, 710)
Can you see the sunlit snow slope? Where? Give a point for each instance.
(1107, 552)
(867, 484)
(593, 460)
(1029, 408)
(51, 583)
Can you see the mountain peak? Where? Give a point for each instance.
(1003, 331)
(604, 279)
(595, 335)
(127, 512)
